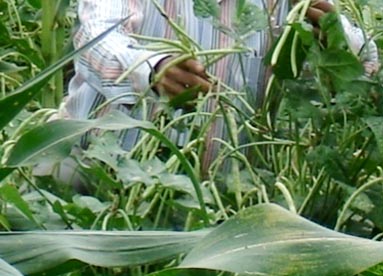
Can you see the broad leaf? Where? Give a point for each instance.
(50, 139)
(32, 252)
(206, 8)
(332, 27)
(340, 64)
(269, 240)
(249, 18)
(105, 148)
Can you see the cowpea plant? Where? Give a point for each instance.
(242, 244)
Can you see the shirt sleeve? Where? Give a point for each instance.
(109, 58)
(361, 45)
(367, 50)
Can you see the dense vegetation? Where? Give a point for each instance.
(314, 147)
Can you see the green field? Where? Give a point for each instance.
(303, 194)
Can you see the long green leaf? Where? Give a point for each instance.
(55, 139)
(11, 195)
(7, 269)
(11, 105)
(261, 240)
(32, 252)
(269, 240)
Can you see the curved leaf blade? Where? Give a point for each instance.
(11, 195)
(55, 139)
(269, 240)
(32, 252)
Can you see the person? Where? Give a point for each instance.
(97, 70)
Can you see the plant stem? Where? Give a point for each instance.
(342, 214)
(48, 47)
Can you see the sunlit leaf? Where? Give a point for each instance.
(269, 240)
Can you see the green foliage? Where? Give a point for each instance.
(24, 94)
(38, 252)
(11, 195)
(261, 231)
(31, 47)
(314, 147)
(268, 230)
(206, 8)
(283, 69)
(249, 18)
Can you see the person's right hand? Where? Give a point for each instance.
(317, 9)
(178, 78)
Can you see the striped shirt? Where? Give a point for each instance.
(97, 69)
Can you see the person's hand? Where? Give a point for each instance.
(317, 9)
(178, 78)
